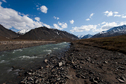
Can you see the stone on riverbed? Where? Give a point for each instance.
(60, 64)
(45, 60)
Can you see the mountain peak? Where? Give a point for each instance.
(115, 31)
(85, 36)
(44, 33)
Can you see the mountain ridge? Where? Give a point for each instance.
(115, 31)
(6, 33)
(44, 33)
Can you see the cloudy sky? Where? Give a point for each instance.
(79, 17)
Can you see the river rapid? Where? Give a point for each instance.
(27, 58)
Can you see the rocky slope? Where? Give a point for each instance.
(115, 31)
(43, 33)
(6, 33)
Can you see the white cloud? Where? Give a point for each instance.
(63, 25)
(103, 22)
(71, 21)
(37, 18)
(122, 23)
(4, 1)
(117, 15)
(48, 26)
(90, 17)
(56, 17)
(105, 26)
(97, 28)
(108, 13)
(83, 28)
(87, 19)
(11, 18)
(43, 9)
(56, 26)
(108, 25)
(123, 16)
(60, 26)
(98, 24)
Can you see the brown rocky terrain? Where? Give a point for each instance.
(81, 64)
(92, 65)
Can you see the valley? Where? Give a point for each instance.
(62, 42)
(88, 61)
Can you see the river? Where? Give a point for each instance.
(26, 58)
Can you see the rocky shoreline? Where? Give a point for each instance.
(81, 64)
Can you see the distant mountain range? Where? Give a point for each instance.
(85, 36)
(6, 33)
(41, 33)
(44, 33)
(115, 31)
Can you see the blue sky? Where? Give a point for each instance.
(79, 17)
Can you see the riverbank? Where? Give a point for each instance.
(81, 64)
(11, 45)
(17, 62)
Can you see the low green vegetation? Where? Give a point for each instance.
(117, 43)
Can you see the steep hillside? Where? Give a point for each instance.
(43, 33)
(6, 33)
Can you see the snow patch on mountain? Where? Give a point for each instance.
(84, 36)
(80, 36)
(24, 31)
(115, 31)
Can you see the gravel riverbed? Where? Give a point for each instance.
(11, 45)
(81, 64)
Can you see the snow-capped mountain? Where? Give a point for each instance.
(115, 31)
(24, 31)
(85, 36)
(80, 36)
